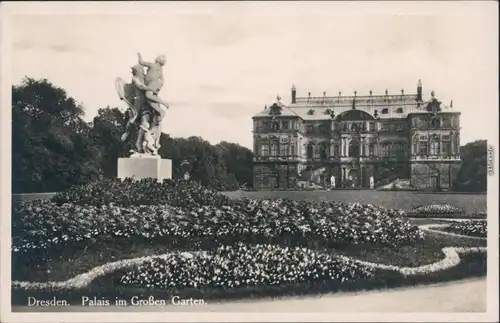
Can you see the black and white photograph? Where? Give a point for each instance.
(260, 161)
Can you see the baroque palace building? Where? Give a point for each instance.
(353, 138)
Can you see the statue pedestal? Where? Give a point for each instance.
(145, 167)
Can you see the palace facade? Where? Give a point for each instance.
(353, 138)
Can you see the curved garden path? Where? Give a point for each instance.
(469, 295)
(451, 259)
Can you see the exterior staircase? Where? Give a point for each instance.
(398, 183)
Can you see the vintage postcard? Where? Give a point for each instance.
(249, 161)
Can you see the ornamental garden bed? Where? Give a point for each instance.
(477, 228)
(444, 211)
(219, 245)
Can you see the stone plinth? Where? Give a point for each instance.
(145, 167)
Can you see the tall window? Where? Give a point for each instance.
(354, 148)
(264, 149)
(371, 149)
(385, 149)
(415, 145)
(435, 146)
(310, 151)
(336, 150)
(446, 148)
(316, 151)
(284, 149)
(399, 150)
(323, 154)
(274, 148)
(293, 149)
(423, 148)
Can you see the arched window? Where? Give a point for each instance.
(354, 148)
(293, 149)
(336, 150)
(435, 146)
(310, 152)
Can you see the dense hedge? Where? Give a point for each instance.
(243, 265)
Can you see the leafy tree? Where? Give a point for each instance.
(472, 176)
(239, 161)
(51, 145)
(108, 126)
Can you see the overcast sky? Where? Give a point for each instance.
(226, 61)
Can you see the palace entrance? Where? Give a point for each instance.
(353, 178)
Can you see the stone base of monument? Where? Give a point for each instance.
(143, 167)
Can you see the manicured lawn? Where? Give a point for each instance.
(396, 199)
(470, 203)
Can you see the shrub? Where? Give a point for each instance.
(243, 265)
(476, 228)
(438, 209)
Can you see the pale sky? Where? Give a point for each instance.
(225, 61)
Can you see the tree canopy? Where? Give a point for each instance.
(53, 148)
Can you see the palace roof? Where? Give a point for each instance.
(384, 106)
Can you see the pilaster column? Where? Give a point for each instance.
(452, 144)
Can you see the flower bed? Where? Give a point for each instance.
(243, 265)
(476, 228)
(144, 192)
(438, 209)
(39, 225)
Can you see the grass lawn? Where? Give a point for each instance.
(470, 203)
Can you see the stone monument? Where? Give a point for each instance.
(372, 182)
(332, 181)
(145, 113)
